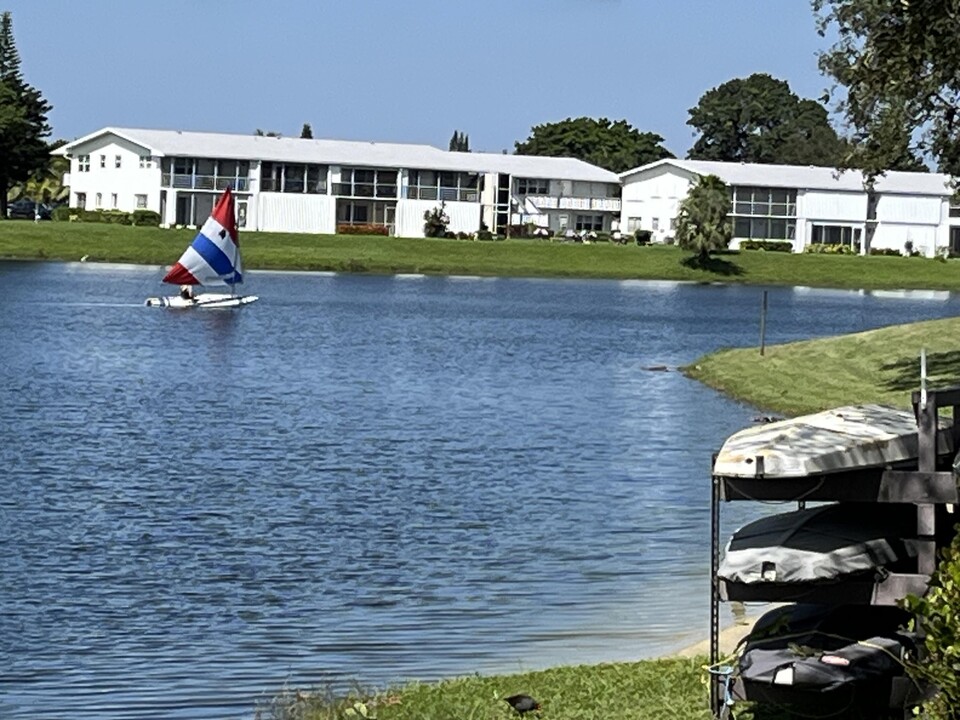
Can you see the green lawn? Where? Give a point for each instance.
(519, 258)
(876, 366)
(625, 691)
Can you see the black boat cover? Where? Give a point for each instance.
(826, 658)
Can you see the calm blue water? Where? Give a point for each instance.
(365, 479)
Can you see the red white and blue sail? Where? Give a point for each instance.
(213, 257)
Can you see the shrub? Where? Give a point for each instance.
(484, 234)
(115, 217)
(768, 245)
(891, 252)
(63, 213)
(643, 237)
(463, 236)
(937, 615)
(368, 229)
(144, 218)
(829, 249)
(435, 222)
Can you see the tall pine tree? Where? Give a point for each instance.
(23, 119)
(460, 142)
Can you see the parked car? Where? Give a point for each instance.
(27, 209)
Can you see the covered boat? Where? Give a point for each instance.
(822, 544)
(833, 441)
(847, 658)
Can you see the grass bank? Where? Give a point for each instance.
(875, 366)
(513, 258)
(648, 690)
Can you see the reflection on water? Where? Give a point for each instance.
(358, 478)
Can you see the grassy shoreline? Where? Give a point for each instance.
(512, 258)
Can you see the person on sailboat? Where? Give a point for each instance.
(186, 292)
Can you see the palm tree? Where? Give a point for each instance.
(703, 225)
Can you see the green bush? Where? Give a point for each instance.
(885, 251)
(145, 218)
(63, 213)
(484, 235)
(115, 217)
(938, 619)
(829, 249)
(643, 237)
(768, 245)
(435, 222)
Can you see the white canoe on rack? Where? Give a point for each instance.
(833, 441)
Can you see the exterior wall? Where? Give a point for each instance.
(464, 216)
(656, 196)
(295, 213)
(827, 207)
(920, 221)
(127, 181)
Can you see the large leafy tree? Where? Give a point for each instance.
(760, 119)
(23, 119)
(616, 146)
(898, 62)
(46, 184)
(703, 225)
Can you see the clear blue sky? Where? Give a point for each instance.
(414, 71)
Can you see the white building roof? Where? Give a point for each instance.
(178, 143)
(806, 177)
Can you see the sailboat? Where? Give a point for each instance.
(213, 258)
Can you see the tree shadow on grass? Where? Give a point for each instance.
(712, 264)
(943, 370)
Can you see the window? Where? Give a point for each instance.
(141, 201)
(836, 235)
(103, 161)
(81, 201)
(673, 223)
(954, 210)
(533, 186)
(361, 182)
(589, 222)
(83, 163)
(116, 161)
(432, 185)
(144, 161)
(656, 223)
(633, 224)
(764, 213)
(113, 200)
(99, 201)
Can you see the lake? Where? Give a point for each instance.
(358, 478)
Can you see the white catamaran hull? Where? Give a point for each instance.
(203, 300)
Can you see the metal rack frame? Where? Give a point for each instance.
(926, 483)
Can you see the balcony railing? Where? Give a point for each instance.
(293, 186)
(203, 182)
(447, 194)
(549, 202)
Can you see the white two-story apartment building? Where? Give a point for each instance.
(802, 205)
(314, 186)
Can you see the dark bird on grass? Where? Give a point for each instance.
(522, 703)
